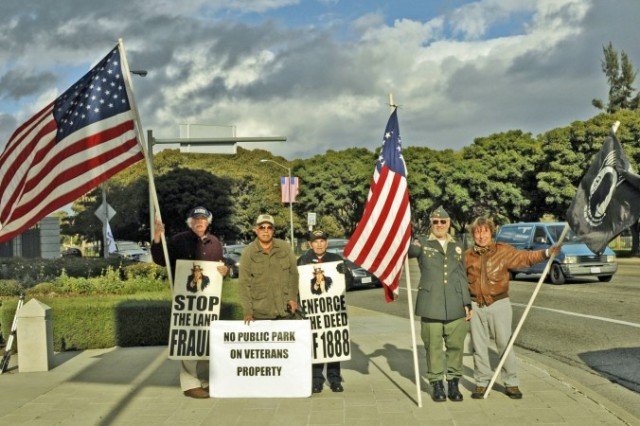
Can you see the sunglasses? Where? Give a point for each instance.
(438, 221)
(265, 227)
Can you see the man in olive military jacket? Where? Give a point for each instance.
(444, 304)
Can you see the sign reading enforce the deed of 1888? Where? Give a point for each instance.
(196, 303)
(322, 291)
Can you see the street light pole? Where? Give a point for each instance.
(288, 169)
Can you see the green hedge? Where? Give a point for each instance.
(29, 272)
(86, 322)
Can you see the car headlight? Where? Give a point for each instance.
(571, 259)
(611, 258)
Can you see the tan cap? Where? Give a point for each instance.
(265, 218)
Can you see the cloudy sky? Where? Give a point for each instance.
(319, 71)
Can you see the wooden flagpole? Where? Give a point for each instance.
(525, 313)
(141, 139)
(410, 305)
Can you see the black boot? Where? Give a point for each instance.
(437, 393)
(454, 392)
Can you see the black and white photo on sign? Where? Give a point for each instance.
(322, 298)
(195, 304)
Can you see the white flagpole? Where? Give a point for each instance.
(141, 139)
(525, 313)
(414, 346)
(413, 331)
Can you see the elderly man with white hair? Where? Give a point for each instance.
(195, 244)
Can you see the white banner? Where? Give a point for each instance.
(322, 298)
(196, 304)
(265, 359)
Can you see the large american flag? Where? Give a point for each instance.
(381, 239)
(71, 146)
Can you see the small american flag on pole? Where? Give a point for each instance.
(289, 191)
(72, 145)
(381, 239)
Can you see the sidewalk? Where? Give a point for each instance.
(140, 386)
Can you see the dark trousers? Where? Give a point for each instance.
(333, 373)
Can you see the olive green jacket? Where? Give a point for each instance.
(268, 280)
(443, 290)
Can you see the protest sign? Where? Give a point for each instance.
(196, 303)
(264, 359)
(322, 298)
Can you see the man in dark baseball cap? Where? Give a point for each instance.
(319, 254)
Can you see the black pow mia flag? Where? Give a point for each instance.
(607, 200)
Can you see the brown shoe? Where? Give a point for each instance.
(478, 392)
(513, 392)
(198, 393)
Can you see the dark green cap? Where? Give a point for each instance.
(439, 213)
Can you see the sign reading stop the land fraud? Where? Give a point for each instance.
(322, 295)
(263, 359)
(196, 303)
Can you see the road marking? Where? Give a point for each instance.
(630, 324)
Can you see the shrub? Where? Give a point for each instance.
(10, 288)
(90, 321)
(29, 272)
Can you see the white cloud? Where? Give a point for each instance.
(453, 81)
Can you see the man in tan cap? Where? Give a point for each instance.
(268, 275)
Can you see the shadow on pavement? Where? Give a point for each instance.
(619, 365)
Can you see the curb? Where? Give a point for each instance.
(625, 416)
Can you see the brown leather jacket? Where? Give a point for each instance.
(488, 273)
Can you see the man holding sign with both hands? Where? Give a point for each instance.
(194, 244)
(320, 284)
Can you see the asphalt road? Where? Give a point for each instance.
(582, 328)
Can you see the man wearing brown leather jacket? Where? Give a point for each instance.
(488, 265)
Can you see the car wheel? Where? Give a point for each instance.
(512, 275)
(556, 276)
(605, 278)
(348, 282)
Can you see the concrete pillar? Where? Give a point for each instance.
(35, 337)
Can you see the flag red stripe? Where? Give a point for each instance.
(372, 242)
(368, 209)
(81, 145)
(70, 196)
(394, 233)
(18, 180)
(72, 172)
(26, 150)
(28, 182)
(19, 134)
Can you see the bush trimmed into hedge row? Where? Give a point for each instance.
(87, 322)
(29, 272)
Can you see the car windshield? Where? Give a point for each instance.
(570, 238)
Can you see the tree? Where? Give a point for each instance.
(620, 77)
(335, 185)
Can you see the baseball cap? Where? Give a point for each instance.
(265, 218)
(200, 212)
(318, 234)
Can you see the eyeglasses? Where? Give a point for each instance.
(265, 227)
(438, 221)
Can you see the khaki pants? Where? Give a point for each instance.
(452, 333)
(194, 374)
(492, 322)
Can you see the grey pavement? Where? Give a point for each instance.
(140, 386)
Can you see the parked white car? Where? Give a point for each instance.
(131, 250)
